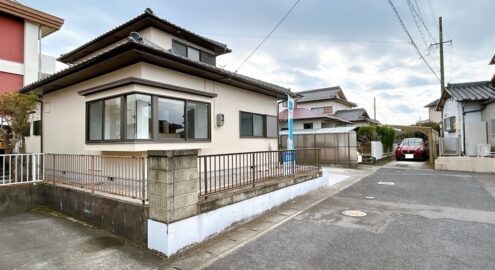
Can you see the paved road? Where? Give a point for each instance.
(420, 219)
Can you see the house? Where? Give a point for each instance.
(309, 119)
(433, 115)
(21, 62)
(468, 113)
(149, 84)
(325, 108)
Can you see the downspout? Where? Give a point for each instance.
(41, 125)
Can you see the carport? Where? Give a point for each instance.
(432, 138)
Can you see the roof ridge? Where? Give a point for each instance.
(475, 83)
(320, 89)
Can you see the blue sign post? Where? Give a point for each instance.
(290, 120)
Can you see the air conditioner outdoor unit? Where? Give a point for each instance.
(483, 150)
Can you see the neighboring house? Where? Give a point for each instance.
(308, 119)
(149, 84)
(433, 115)
(21, 61)
(325, 108)
(468, 112)
(325, 100)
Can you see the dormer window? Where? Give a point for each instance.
(193, 53)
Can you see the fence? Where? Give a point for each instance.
(119, 175)
(449, 146)
(21, 168)
(227, 171)
(336, 148)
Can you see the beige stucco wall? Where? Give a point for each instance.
(64, 115)
(434, 116)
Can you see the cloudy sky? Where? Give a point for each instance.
(357, 44)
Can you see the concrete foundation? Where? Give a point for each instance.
(21, 197)
(465, 164)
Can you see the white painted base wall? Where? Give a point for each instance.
(171, 238)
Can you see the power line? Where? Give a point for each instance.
(269, 34)
(308, 39)
(411, 39)
(417, 11)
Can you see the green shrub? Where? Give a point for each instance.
(384, 134)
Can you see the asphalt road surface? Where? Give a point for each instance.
(416, 218)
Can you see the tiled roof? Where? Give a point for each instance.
(144, 43)
(303, 113)
(471, 91)
(353, 115)
(432, 104)
(148, 13)
(327, 93)
(493, 60)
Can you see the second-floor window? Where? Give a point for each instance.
(326, 109)
(193, 53)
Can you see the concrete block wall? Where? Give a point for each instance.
(172, 185)
(465, 164)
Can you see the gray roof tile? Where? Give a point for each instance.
(471, 91)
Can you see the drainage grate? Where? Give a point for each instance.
(354, 213)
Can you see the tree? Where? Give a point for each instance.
(15, 109)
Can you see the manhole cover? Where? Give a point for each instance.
(354, 213)
(386, 183)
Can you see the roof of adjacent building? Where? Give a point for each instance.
(137, 49)
(354, 115)
(328, 93)
(432, 104)
(303, 113)
(139, 23)
(469, 91)
(493, 60)
(321, 130)
(49, 23)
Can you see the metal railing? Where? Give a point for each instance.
(119, 175)
(21, 168)
(223, 172)
(449, 146)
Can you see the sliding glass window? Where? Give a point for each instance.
(112, 121)
(138, 117)
(197, 120)
(170, 118)
(95, 121)
(257, 125)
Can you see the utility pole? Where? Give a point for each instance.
(442, 72)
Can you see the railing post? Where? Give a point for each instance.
(144, 180)
(33, 165)
(254, 169)
(92, 174)
(205, 164)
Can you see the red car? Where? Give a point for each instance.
(412, 149)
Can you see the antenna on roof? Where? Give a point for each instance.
(136, 37)
(149, 11)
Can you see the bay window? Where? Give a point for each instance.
(134, 117)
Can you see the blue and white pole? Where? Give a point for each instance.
(290, 120)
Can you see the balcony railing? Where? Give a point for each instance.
(223, 172)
